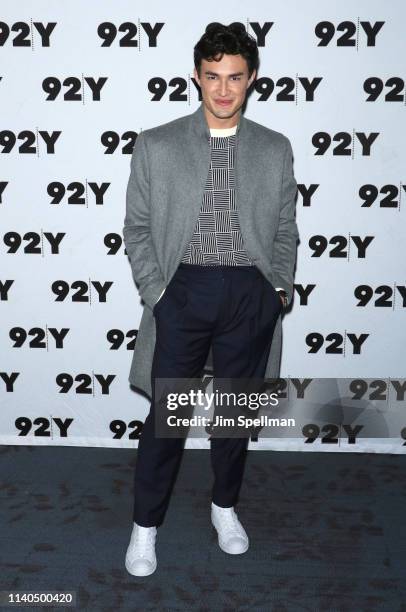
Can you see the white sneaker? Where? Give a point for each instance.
(232, 537)
(140, 559)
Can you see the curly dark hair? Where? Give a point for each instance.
(231, 40)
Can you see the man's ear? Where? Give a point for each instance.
(196, 76)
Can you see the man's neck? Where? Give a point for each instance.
(220, 124)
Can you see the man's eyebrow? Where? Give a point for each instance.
(216, 73)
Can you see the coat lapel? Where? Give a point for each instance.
(196, 152)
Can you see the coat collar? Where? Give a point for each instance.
(200, 125)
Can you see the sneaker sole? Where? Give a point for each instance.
(140, 575)
(224, 548)
(232, 552)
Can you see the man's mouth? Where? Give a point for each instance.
(223, 102)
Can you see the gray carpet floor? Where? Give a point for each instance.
(327, 532)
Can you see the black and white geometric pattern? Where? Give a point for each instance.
(217, 238)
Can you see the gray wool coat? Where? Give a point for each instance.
(169, 167)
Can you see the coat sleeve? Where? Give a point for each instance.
(137, 227)
(284, 246)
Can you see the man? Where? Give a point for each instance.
(211, 234)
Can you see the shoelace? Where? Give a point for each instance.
(146, 541)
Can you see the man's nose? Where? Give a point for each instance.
(223, 88)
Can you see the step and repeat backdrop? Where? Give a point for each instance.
(78, 82)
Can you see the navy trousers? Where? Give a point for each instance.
(233, 310)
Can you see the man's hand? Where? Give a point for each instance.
(283, 296)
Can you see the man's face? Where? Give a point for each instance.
(224, 86)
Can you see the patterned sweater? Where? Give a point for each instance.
(217, 238)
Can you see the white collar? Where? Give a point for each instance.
(223, 131)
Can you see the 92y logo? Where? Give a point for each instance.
(22, 34)
(348, 33)
(38, 338)
(34, 242)
(341, 246)
(339, 343)
(79, 192)
(322, 141)
(82, 291)
(75, 88)
(8, 140)
(84, 384)
(108, 32)
(290, 89)
(45, 427)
